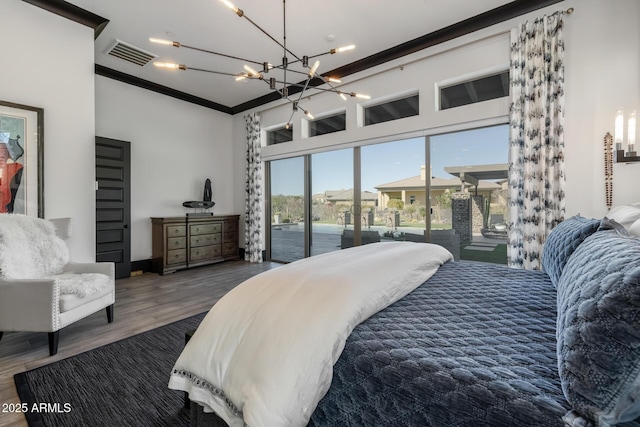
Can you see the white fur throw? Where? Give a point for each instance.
(29, 248)
(83, 284)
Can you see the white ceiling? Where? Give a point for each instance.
(312, 28)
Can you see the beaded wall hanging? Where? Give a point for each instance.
(608, 169)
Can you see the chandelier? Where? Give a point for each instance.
(290, 64)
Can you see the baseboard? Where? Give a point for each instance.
(241, 254)
(144, 265)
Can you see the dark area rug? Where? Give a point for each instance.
(119, 384)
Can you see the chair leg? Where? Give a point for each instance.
(54, 337)
(110, 313)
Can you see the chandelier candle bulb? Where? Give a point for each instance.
(618, 130)
(161, 41)
(252, 72)
(343, 49)
(170, 65)
(314, 68)
(233, 7)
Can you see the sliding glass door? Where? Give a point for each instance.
(468, 193)
(393, 182)
(332, 201)
(287, 209)
(448, 189)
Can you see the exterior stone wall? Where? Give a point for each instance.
(392, 220)
(467, 213)
(461, 215)
(477, 214)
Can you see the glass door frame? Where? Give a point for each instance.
(357, 166)
(268, 210)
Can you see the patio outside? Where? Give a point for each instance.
(333, 226)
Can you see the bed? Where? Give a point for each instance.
(471, 345)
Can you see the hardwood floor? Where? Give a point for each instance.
(142, 303)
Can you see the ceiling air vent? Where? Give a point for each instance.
(130, 53)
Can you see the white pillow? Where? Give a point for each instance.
(634, 230)
(625, 215)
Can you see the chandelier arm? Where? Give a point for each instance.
(290, 118)
(320, 54)
(305, 87)
(221, 54)
(285, 60)
(270, 36)
(212, 71)
(279, 67)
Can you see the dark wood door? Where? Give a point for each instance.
(113, 204)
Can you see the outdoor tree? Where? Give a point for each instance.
(290, 207)
(422, 211)
(395, 204)
(410, 209)
(442, 201)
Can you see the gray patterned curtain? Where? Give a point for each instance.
(536, 138)
(253, 197)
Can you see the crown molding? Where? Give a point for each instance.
(164, 90)
(74, 13)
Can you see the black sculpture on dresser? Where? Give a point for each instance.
(203, 204)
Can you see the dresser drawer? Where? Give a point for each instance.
(229, 249)
(178, 256)
(176, 230)
(231, 236)
(204, 252)
(211, 228)
(205, 240)
(176, 242)
(230, 226)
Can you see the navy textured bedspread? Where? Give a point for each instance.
(473, 346)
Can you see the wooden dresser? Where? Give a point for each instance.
(185, 242)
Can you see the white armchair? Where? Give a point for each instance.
(40, 290)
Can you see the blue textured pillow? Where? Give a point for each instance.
(563, 241)
(598, 328)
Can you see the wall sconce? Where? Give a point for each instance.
(631, 155)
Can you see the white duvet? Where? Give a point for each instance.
(264, 354)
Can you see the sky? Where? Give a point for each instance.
(392, 161)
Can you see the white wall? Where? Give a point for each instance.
(603, 74)
(602, 61)
(175, 146)
(47, 62)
